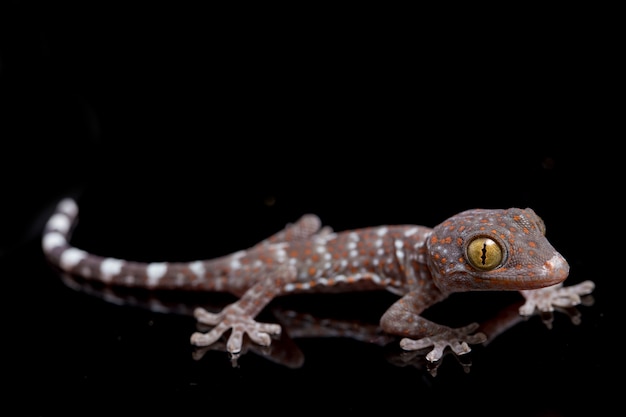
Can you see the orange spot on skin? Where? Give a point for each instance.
(312, 284)
(312, 271)
(331, 281)
(461, 260)
(444, 260)
(518, 266)
(461, 228)
(532, 244)
(525, 230)
(494, 231)
(531, 252)
(459, 241)
(293, 254)
(351, 280)
(447, 240)
(517, 218)
(315, 257)
(433, 239)
(513, 229)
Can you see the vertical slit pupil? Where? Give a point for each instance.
(483, 257)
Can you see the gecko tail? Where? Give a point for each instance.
(152, 275)
(59, 226)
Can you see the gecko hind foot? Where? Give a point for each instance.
(238, 324)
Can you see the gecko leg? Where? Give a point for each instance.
(305, 227)
(238, 317)
(403, 319)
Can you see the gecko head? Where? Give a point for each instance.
(484, 249)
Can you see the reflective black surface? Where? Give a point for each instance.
(189, 141)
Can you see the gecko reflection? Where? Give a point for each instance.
(284, 349)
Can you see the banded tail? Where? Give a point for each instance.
(197, 275)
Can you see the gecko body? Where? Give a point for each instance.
(474, 250)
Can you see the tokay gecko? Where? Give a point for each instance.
(475, 250)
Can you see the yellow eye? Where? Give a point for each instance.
(484, 253)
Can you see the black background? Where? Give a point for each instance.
(192, 133)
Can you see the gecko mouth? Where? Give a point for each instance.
(552, 272)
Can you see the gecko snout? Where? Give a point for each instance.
(557, 268)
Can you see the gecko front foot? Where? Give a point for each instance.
(231, 318)
(457, 339)
(546, 299)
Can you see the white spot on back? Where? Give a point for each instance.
(411, 231)
(281, 255)
(155, 272)
(197, 268)
(71, 257)
(235, 264)
(382, 231)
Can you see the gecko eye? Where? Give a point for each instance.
(484, 253)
